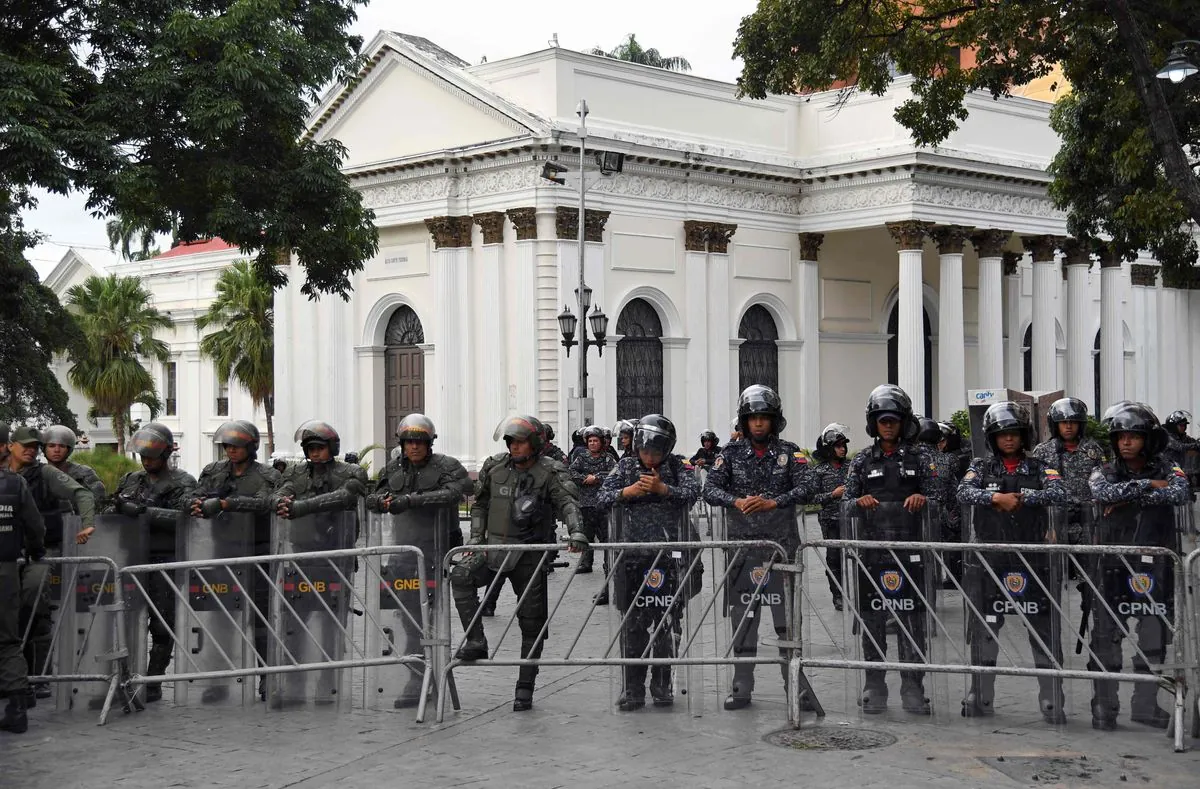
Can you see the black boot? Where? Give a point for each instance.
(978, 701)
(14, 719)
(1144, 707)
(660, 686)
(476, 646)
(523, 697)
(1051, 701)
(1104, 705)
(912, 696)
(601, 597)
(153, 692)
(875, 693)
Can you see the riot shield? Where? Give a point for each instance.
(41, 598)
(395, 590)
(88, 635)
(652, 610)
(895, 593)
(1015, 612)
(310, 610)
(214, 628)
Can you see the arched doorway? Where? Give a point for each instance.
(404, 369)
(758, 356)
(893, 351)
(639, 361)
(1027, 359)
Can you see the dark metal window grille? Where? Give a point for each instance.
(758, 356)
(639, 361)
(894, 356)
(222, 406)
(169, 382)
(404, 328)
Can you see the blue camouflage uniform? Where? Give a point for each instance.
(825, 478)
(595, 517)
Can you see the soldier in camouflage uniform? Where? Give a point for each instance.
(160, 493)
(1182, 448)
(827, 479)
(588, 472)
(655, 491)
(760, 479)
(1075, 456)
(517, 495)
(323, 483)
(623, 430)
(944, 470)
(710, 447)
(58, 442)
(551, 449)
(1140, 493)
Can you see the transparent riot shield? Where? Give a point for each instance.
(895, 599)
(396, 590)
(214, 619)
(42, 582)
(310, 610)
(1016, 613)
(653, 608)
(88, 635)
(1133, 610)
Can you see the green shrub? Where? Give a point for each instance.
(962, 420)
(108, 465)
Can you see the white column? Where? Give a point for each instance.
(1193, 348)
(522, 295)
(1147, 276)
(695, 312)
(796, 409)
(952, 350)
(675, 374)
(722, 376)
(368, 378)
(1079, 325)
(1046, 282)
(1014, 372)
(808, 305)
(1183, 354)
(491, 395)
(989, 245)
(450, 269)
(285, 342)
(909, 237)
(1111, 341)
(550, 380)
(1168, 318)
(735, 383)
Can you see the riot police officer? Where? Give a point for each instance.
(1181, 448)
(588, 471)
(514, 496)
(1008, 495)
(578, 446)
(898, 473)
(1137, 496)
(239, 483)
(760, 480)
(21, 531)
(655, 491)
(55, 493)
(828, 486)
(322, 483)
(552, 450)
(623, 430)
(1075, 456)
(710, 447)
(58, 442)
(160, 493)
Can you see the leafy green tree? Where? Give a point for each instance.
(118, 323)
(634, 52)
(108, 465)
(1124, 168)
(243, 346)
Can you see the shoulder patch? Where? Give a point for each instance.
(800, 457)
(1178, 472)
(970, 474)
(1051, 472)
(688, 464)
(720, 461)
(783, 460)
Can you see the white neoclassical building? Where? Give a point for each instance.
(797, 241)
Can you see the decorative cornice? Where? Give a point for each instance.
(1143, 275)
(566, 223)
(491, 224)
(450, 232)
(707, 236)
(718, 237)
(810, 245)
(950, 238)
(909, 234)
(524, 222)
(1011, 263)
(1041, 247)
(990, 243)
(696, 190)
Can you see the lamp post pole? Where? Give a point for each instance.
(584, 401)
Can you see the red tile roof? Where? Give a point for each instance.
(195, 248)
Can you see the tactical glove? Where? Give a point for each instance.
(210, 508)
(131, 508)
(400, 504)
(375, 502)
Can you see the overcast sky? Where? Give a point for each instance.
(474, 29)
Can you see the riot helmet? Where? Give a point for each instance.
(756, 400)
(416, 427)
(1177, 418)
(239, 433)
(891, 399)
(1005, 416)
(549, 431)
(1067, 409)
(591, 431)
(1137, 418)
(577, 439)
(654, 432)
(832, 434)
(709, 435)
(521, 427)
(60, 434)
(928, 432)
(153, 440)
(1106, 419)
(951, 435)
(316, 432)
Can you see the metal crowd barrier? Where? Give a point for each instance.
(701, 622)
(944, 652)
(1191, 564)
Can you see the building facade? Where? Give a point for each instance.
(801, 241)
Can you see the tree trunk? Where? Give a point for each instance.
(268, 408)
(118, 424)
(1176, 168)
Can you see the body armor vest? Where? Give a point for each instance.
(1027, 524)
(12, 534)
(892, 477)
(48, 506)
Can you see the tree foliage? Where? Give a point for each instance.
(631, 50)
(188, 110)
(118, 324)
(1123, 170)
(243, 346)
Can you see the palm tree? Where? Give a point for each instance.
(121, 235)
(633, 52)
(243, 348)
(118, 323)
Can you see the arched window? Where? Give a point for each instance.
(1027, 359)
(758, 356)
(1096, 407)
(894, 356)
(404, 368)
(639, 361)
